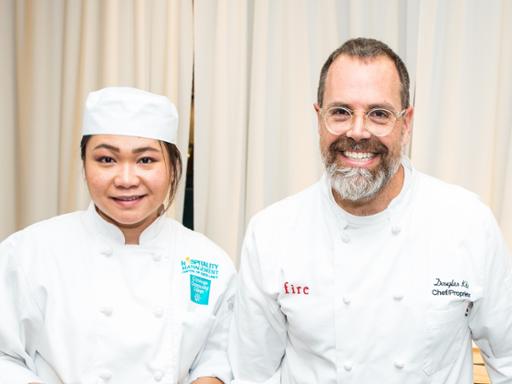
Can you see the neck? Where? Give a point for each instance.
(379, 202)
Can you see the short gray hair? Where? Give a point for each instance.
(366, 48)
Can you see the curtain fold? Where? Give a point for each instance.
(259, 143)
(463, 121)
(256, 65)
(55, 52)
(9, 188)
(221, 99)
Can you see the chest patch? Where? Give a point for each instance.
(201, 273)
(199, 290)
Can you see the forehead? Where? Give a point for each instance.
(362, 82)
(123, 142)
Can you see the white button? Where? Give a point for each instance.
(107, 311)
(106, 375)
(158, 375)
(158, 312)
(345, 237)
(398, 297)
(157, 257)
(107, 252)
(347, 366)
(346, 300)
(398, 364)
(395, 229)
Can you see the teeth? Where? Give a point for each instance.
(359, 155)
(128, 198)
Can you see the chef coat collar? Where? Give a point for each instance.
(346, 219)
(113, 234)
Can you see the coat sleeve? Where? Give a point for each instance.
(258, 334)
(491, 318)
(213, 359)
(19, 320)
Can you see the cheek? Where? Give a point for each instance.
(96, 182)
(159, 182)
(325, 141)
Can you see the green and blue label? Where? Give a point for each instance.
(201, 274)
(199, 290)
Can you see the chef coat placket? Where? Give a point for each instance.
(351, 304)
(352, 237)
(133, 289)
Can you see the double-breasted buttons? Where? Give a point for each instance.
(158, 312)
(105, 375)
(398, 296)
(106, 310)
(107, 251)
(347, 366)
(158, 375)
(399, 364)
(346, 300)
(395, 230)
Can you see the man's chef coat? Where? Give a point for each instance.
(78, 306)
(328, 297)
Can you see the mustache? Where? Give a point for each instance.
(344, 143)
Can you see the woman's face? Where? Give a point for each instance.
(128, 179)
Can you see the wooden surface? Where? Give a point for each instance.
(479, 372)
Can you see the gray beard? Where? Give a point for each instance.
(359, 184)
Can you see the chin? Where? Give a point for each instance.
(131, 222)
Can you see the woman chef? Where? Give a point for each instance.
(118, 293)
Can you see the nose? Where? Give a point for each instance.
(358, 129)
(126, 177)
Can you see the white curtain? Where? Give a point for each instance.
(53, 53)
(257, 65)
(463, 123)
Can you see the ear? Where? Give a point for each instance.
(318, 116)
(407, 126)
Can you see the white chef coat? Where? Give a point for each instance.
(328, 297)
(78, 306)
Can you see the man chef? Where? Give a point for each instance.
(377, 273)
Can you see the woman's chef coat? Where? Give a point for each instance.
(327, 297)
(80, 306)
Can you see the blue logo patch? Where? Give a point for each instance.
(200, 268)
(199, 290)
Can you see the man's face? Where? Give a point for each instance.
(359, 164)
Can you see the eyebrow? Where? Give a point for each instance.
(370, 106)
(135, 150)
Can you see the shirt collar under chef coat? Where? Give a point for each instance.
(110, 232)
(345, 219)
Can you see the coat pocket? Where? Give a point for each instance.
(447, 329)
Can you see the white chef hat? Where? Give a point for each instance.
(131, 112)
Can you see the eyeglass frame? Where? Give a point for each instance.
(398, 115)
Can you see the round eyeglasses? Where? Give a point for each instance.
(377, 121)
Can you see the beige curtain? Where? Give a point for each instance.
(256, 70)
(257, 65)
(53, 52)
(8, 199)
(463, 123)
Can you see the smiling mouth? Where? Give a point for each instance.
(128, 198)
(359, 155)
